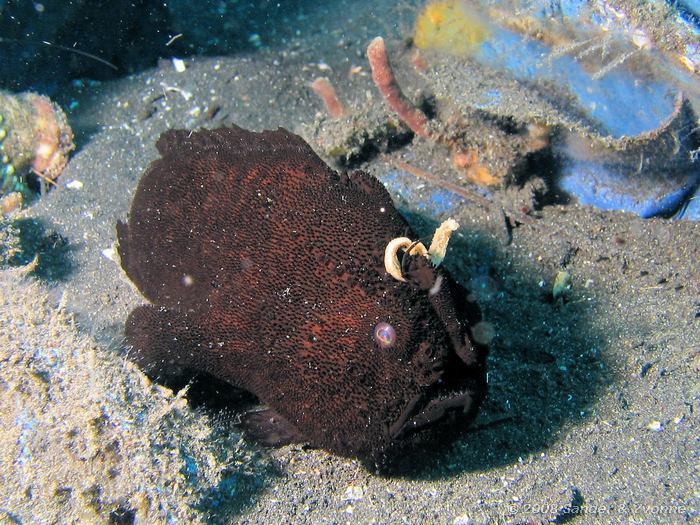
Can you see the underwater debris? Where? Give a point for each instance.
(34, 138)
(357, 136)
(504, 121)
(651, 174)
(609, 30)
(487, 148)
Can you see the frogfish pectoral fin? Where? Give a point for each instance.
(159, 346)
(271, 429)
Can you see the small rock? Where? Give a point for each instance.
(110, 253)
(562, 284)
(655, 426)
(463, 520)
(179, 65)
(353, 493)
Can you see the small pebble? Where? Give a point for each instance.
(562, 284)
(110, 253)
(655, 426)
(353, 493)
(179, 65)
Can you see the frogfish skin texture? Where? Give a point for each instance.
(264, 268)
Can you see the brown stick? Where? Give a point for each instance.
(326, 92)
(454, 188)
(384, 79)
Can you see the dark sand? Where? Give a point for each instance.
(593, 399)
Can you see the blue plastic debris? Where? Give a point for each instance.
(595, 185)
(626, 83)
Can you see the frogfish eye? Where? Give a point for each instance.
(384, 335)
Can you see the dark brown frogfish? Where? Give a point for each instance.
(269, 270)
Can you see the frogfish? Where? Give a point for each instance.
(267, 269)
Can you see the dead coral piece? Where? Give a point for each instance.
(326, 92)
(34, 138)
(383, 77)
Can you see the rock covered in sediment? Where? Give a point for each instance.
(86, 438)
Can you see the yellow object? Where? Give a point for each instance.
(452, 26)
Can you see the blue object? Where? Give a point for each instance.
(595, 185)
(691, 208)
(621, 101)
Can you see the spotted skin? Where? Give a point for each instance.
(264, 267)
